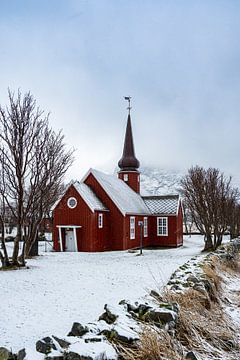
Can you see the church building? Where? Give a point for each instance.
(107, 212)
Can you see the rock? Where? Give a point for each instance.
(156, 295)
(191, 356)
(192, 279)
(78, 330)
(114, 335)
(74, 356)
(21, 354)
(160, 317)
(63, 343)
(108, 316)
(45, 346)
(4, 353)
(57, 357)
(142, 309)
(93, 339)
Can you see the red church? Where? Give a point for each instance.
(105, 212)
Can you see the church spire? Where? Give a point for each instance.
(128, 160)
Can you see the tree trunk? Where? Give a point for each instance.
(16, 245)
(219, 240)
(5, 254)
(208, 242)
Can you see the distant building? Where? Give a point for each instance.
(104, 212)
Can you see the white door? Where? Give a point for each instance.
(70, 241)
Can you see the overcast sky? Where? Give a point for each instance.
(179, 60)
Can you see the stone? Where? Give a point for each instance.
(156, 295)
(74, 356)
(192, 279)
(63, 343)
(142, 309)
(159, 317)
(108, 316)
(93, 339)
(45, 345)
(4, 353)
(191, 356)
(21, 354)
(78, 330)
(114, 335)
(57, 357)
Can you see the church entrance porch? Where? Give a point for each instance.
(68, 237)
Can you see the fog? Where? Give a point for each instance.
(179, 60)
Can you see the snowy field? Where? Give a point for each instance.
(60, 288)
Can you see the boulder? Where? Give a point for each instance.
(78, 330)
(63, 343)
(192, 279)
(74, 356)
(191, 356)
(160, 317)
(108, 316)
(4, 353)
(114, 335)
(21, 354)
(45, 345)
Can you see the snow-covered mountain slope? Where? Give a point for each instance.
(160, 181)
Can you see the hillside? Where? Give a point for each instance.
(156, 181)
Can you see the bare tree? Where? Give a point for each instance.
(209, 196)
(34, 161)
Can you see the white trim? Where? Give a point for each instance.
(100, 220)
(60, 237)
(69, 200)
(132, 227)
(125, 177)
(161, 226)
(145, 227)
(68, 226)
(74, 227)
(75, 238)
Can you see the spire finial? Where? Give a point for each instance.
(128, 98)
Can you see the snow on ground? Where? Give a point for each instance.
(60, 288)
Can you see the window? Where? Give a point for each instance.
(145, 227)
(72, 202)
(162, 226)
(125, 177)
(132, 227)
(100, 221)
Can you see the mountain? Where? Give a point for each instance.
(156, 181)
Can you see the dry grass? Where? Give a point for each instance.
(202, 324)
(202, 329)
(154, 345)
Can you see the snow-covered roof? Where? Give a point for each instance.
(126, 199)
(89, 196)
(165, 204)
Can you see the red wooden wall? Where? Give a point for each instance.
(115, 219)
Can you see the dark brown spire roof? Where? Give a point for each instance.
(128, 160)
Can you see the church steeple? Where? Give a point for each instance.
(128, 160)
(128, 163)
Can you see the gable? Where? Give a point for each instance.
(87, 195)
(124, 198)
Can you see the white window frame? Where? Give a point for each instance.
(162, 229)
(100, 221)
(145, 227)
(69, 202)
(132, 227)
(125, 177)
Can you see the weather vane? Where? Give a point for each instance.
(128, 98)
